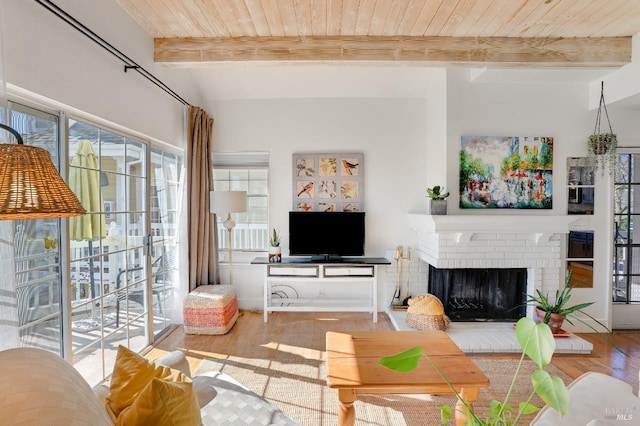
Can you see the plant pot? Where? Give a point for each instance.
(275, 254)
(437, 207)
(555, 320)
(600, 144)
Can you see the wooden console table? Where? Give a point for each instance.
(293, 270)
(353, 369)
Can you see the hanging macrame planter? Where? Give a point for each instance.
(602, 146)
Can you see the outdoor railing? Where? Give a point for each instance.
(244, 237)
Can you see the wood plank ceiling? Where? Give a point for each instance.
(479, 32)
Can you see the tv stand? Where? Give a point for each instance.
(318, 272)
(326, 259)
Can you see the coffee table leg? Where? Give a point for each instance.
(469, 395)
(346, 413)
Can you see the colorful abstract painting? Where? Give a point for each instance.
(506, 172)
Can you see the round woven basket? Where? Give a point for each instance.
(428, 322)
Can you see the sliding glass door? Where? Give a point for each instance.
(109, 251)
(88, 284)
(37, 248)
(124, 251)
(163, 208)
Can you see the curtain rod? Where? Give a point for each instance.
(129, 64)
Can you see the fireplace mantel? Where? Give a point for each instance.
(547, 224)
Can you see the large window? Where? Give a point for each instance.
(117, 286)
(626, 212)
(244, 172)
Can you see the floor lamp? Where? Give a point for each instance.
(227, 202)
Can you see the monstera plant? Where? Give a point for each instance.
(537, 343)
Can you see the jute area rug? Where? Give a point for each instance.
(297, 386)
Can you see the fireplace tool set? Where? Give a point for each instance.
(401, 297)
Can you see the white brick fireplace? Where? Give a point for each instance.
(496, 241)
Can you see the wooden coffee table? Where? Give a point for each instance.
(353, 369)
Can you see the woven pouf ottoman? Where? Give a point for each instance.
(210, 309)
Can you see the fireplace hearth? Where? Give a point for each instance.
(480, 294)
(490, 337)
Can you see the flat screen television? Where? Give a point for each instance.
(326, 234)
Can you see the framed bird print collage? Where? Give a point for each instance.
(328, 182)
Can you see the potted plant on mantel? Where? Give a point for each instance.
(438, 200)
(275, 252)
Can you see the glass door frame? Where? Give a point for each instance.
(626, 310)
(133, 275)
(42, 297)
(64, 345)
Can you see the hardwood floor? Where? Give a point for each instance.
(304, 333)
(605, 358)
(299, 332)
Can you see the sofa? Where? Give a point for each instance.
(595, 400)
(38, 388)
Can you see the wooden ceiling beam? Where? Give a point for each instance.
(513, 51)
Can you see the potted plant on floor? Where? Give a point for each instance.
(537, 343)
(438, 200)
(555, 311)
(275, 252)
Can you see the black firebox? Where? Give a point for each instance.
(480, 294)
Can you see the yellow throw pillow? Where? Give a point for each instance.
(131, 373)
(163, 403)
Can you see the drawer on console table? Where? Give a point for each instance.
(348, 271)
(292, 271)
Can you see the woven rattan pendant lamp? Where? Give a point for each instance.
(30, 185)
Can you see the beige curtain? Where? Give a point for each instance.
(203, 235)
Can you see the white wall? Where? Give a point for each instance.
(552, 109)
(560, 110)
(400, 148)
(47, 56)
(390, 132)
(436, 162)
(50, 64)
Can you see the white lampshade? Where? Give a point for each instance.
(223, 202)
